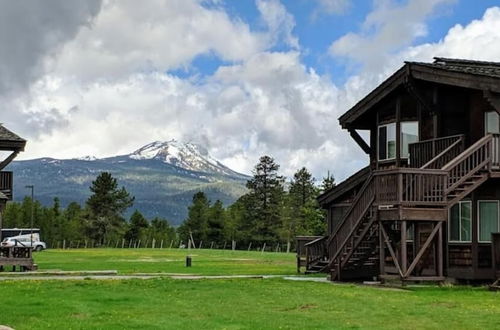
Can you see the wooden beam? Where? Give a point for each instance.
(9, 159)
(423, 249)
(404, 254)
(391, 251)
(359, 140)
(493, 98)
(381, 249)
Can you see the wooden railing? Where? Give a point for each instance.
(351, 219)
(410, 186)
(426, 152)
(495, 152)
(315, 251)
(476, 158)
(6, 180)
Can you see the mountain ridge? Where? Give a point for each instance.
(162, 175)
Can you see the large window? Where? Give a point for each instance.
(488, 219)
(387, 141)
(491, 122)
(409, 134)
(460, 222)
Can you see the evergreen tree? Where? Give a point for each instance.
(106, 206)
(216, 221)
(196, 224)
(161, 230)
(266, 200)
(137, 226)
(328, 182)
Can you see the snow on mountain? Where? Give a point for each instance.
(188, 156)
(87, 158)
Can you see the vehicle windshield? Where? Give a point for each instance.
(5, 239)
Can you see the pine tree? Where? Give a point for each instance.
(106, 206)
(196, 225)
(216, 220)
(136, 227)
(328, 182)
(266, 199)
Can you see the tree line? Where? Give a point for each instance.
(272, 212)
(99, 222)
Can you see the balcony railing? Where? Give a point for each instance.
(410, 186)
(6, 184)
(435, 153)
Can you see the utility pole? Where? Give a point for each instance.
(32, 187)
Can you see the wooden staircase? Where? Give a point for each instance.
(354, 244)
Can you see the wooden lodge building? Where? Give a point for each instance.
(427, 206)
(11, 145)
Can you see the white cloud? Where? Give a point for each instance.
(388, 29)
(279, 22)
(108, 90)
(330, 7)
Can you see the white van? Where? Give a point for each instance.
(25, 241)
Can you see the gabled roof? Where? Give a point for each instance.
(479, 75)
(345, 186)
(10, 141)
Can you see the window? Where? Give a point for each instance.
(409, 134)
(488, 219)
(491, 122)
(387, 141)
(460, 222)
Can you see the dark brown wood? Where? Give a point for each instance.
(423, 249)
(495, 239)
(453, 160)
(359, 140)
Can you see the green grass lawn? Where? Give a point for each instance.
(204, 262)
(227, 304)
(240, 304)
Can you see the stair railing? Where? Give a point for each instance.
(349, 223)
(315, 251)
(474, 159)
(448, 154)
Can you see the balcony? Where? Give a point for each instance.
(6, 184)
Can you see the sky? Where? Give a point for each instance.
(243, 78)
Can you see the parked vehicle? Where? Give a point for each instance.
(25, 241)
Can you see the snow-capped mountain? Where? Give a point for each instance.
(163, 176)
(188, 156)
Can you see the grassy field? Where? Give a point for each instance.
(229, 303)
(204, 262)
(240, 304)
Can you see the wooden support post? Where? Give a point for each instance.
(381, 249)
(398, 132)
(440, 251)
(404, 252)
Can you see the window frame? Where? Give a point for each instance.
(479, 218)
(486, 122)
(401, 137)
(387, 141)
(460, 223)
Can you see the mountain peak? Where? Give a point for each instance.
(188, 156)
